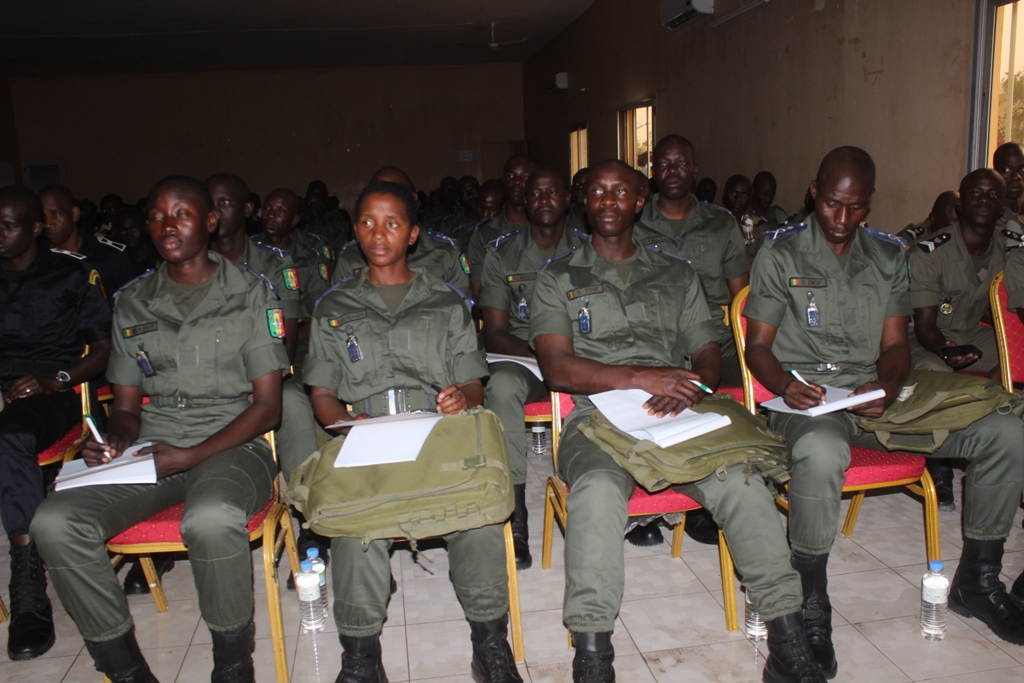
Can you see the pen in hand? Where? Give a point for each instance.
(91, 421)
(804, 382)
(703, 387)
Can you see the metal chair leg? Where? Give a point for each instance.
(514, 611)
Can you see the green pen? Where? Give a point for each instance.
(703, 387)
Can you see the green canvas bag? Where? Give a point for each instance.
(460, 480)
(747, 440)
(932, 404)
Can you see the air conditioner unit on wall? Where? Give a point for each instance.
(676, 12)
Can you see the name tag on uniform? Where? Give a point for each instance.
(350, 317)
(808, 282)
(519, 277)
(648, 241)
(584, 291)
(136, 330)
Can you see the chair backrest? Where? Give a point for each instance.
(753, 391)
(1009, 334)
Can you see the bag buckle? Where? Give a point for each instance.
(182, 402)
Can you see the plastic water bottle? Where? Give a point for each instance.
(753, 624)
(934, 600)
(307, 585)
(320, 567)
(539, 435)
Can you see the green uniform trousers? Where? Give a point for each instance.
(599, 491)
(510, 387)
(361, 579)
(296, 437)
(72, 527)
(821, 454)
(981, 336)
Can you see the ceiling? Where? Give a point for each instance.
(39, 37)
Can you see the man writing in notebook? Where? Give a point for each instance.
(611, 315)
(829, 299)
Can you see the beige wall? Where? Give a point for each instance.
(774, 89)
(275, 128)
(10, 166)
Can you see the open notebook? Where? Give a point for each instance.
(835, 399)
(125, 469)
(624, 408)
(383, 440)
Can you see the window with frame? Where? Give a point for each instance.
(578, 148)
(636, 135)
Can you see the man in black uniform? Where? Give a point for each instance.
(49, 312)
(98, 252)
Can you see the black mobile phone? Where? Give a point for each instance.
(946, 352)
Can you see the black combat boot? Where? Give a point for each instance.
(817, 609)
(232, 655)
(30, 633)
(645, 535)
(977, 591)
(361, 660)
(135, 582)
(1018, 588)
(492, 656)
(942, 475)
(521, 529)
(790, 659)
(701, 527)
(594, 656)
(120, 660)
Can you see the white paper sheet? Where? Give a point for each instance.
(529, 363)
(379, 441)
(124, 469)
(835, 399)
(625, 410)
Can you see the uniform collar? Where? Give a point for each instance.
(653, 218)
(227, 281)
(856, 260)
(586, 257)
(568, 240)
(366, 291)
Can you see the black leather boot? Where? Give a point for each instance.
(120, 660)
(701, 527)
(817, 611)
(493, 661)
(30, 633)
(790, 659)
(645, 535)
(594, 656)
(521, 529)
(942, 475)
(977, 591)
(135, 582)
(1018, 587)
(232, 655)
(361, 660)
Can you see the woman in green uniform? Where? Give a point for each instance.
(202, 339)
(393, 339)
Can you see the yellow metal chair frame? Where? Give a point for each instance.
(556, 493)
(277, 534)
(999, 325)
(922, 486)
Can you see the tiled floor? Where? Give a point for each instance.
(671, 627)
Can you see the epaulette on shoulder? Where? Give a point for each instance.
(928, 246)
(579, 233)
(1014, 240)
(331, 289)
(435, 235)
(495, 243)
(313, 235)
(558, 257)
(784, 231)
(309, 248)
(245, 266)
(279, 252)
(885, 236)
(716, 207)
(110, 243)
(72, 254)
(666, 252)
(348, 244)
(469, 301)
(912, 231)
(133, 281)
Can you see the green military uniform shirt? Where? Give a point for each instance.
(1013, 275)
(658, 318)
(434, 254)
(485, 233)
(1010, 221)
(510, 273)
(797, 267)
(278, 267)
(429, 341)
(311, 265)
(234, 336)
(315, 241)
(774, 217)
(915, 232)
(942, 274)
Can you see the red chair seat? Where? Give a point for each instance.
(876, 467)
(62, 444)
(536, 408)
(164, 527)
(644, 503)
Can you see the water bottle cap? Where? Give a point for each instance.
(935, 565)
(306, 566)
(312, 552)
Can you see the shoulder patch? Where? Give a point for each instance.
(245, 266)
(784, 232)
(928, 246)
(558, 257)
(133, 281)
(579, 233)
(716, 207)
(435, 235)
(469, 302)
(291, 278)
(279, 252)
(323, 271)
(495, 243)
(911, 232)
(110, 243)
(885, 236)
(666, 252)
(72, 254)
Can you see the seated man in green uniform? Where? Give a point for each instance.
(320, 221)
(613, 315)
(577, 216)
(464, 218)
(706, 235)
(766, 214)
(950, 275)
(512, 217)
(510, 270)
(942, 215)
(830, 299)
(1008, 161)
(202, 339)
(393, 335)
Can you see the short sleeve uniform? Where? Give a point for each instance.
(109, 259)
(485, 233)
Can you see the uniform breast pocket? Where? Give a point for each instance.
(811, 308)
(695, 251)
(227, 339)
(595, 316)
(358, 350)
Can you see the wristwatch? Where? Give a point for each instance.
(64, 378)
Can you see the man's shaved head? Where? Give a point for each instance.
(637, 180)
(294, 200)
(674, 141)
(230, 180)
(393, 174)
(189, 185)
(546, 173)
(517, 159)
(26, 199)
(61, 194)
(972, 178)
(1004, 152)
(851, 162)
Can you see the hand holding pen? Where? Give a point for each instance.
(801, 394)
(98, 450)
